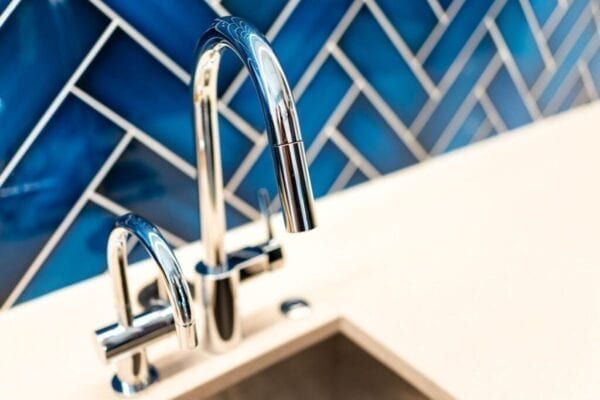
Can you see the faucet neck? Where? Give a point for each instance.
(283, 132)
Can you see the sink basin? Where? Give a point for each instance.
(334, 368)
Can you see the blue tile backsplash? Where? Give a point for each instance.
(95, 112)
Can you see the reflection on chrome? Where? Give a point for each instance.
(125, 341)
(219, 272)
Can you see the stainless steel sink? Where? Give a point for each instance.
(335, 368)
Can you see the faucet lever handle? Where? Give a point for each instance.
(264, 201)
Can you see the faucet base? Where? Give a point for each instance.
(129, 389)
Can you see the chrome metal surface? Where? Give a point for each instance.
(295, 308)
(126, 340)
(219, 275)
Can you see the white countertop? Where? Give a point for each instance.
(475, 275)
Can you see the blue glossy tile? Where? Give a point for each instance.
(455, 37)
(155, 100)
(357, 178)
(296, 45)
(260, 175)
(3, 4)
(262, 17)
(48, 181)
(321, 98)
(81, 254)
(366, 130)
(55, 35)
(567, 66)
(136, 86)
(147, 185)
(460, 89)
(234, 147)
(573, 98)
(465, 133)
(507, 101)
(567, 23)
(414, 20)
(326, 168)
(172, 26)
(520, 41)
(384, 68)
(543, 9)
(594, 67)
(445, 3)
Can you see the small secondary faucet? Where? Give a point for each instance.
(220, 273)
(126, 340)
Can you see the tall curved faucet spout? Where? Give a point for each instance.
(283, 133)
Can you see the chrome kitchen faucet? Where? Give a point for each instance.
(125, 341)
(219, 273)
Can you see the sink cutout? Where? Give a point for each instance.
(335, 368)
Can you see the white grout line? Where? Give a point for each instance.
(217, 7)
(581, 98)
(245, 166)
(596, 13)
(240, 123)
(240, 78)
(380, 105)
(164, 59)
(538, 35)
(354, 155)
(455, 68)
(281, 19)
(241, 205)
(117, 209)
(334, 119)
(67, 221)
(56, 103)
(415, 66)
(439, 12)
(437, 32)
(8, 11)
(167, 154)
(571, 79)
(561, 94)
(466, 107)
(482, 132)
(343, 178)
(513, 70)
(588, 81)
(490, 110)
(323, 53)
(561, 53)
(554, 19)
(140, 135)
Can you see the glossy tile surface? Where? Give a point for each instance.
(95, 112)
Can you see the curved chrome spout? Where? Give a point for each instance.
(282, 127)
(170, 275)
(219, 278)
(126, 340)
